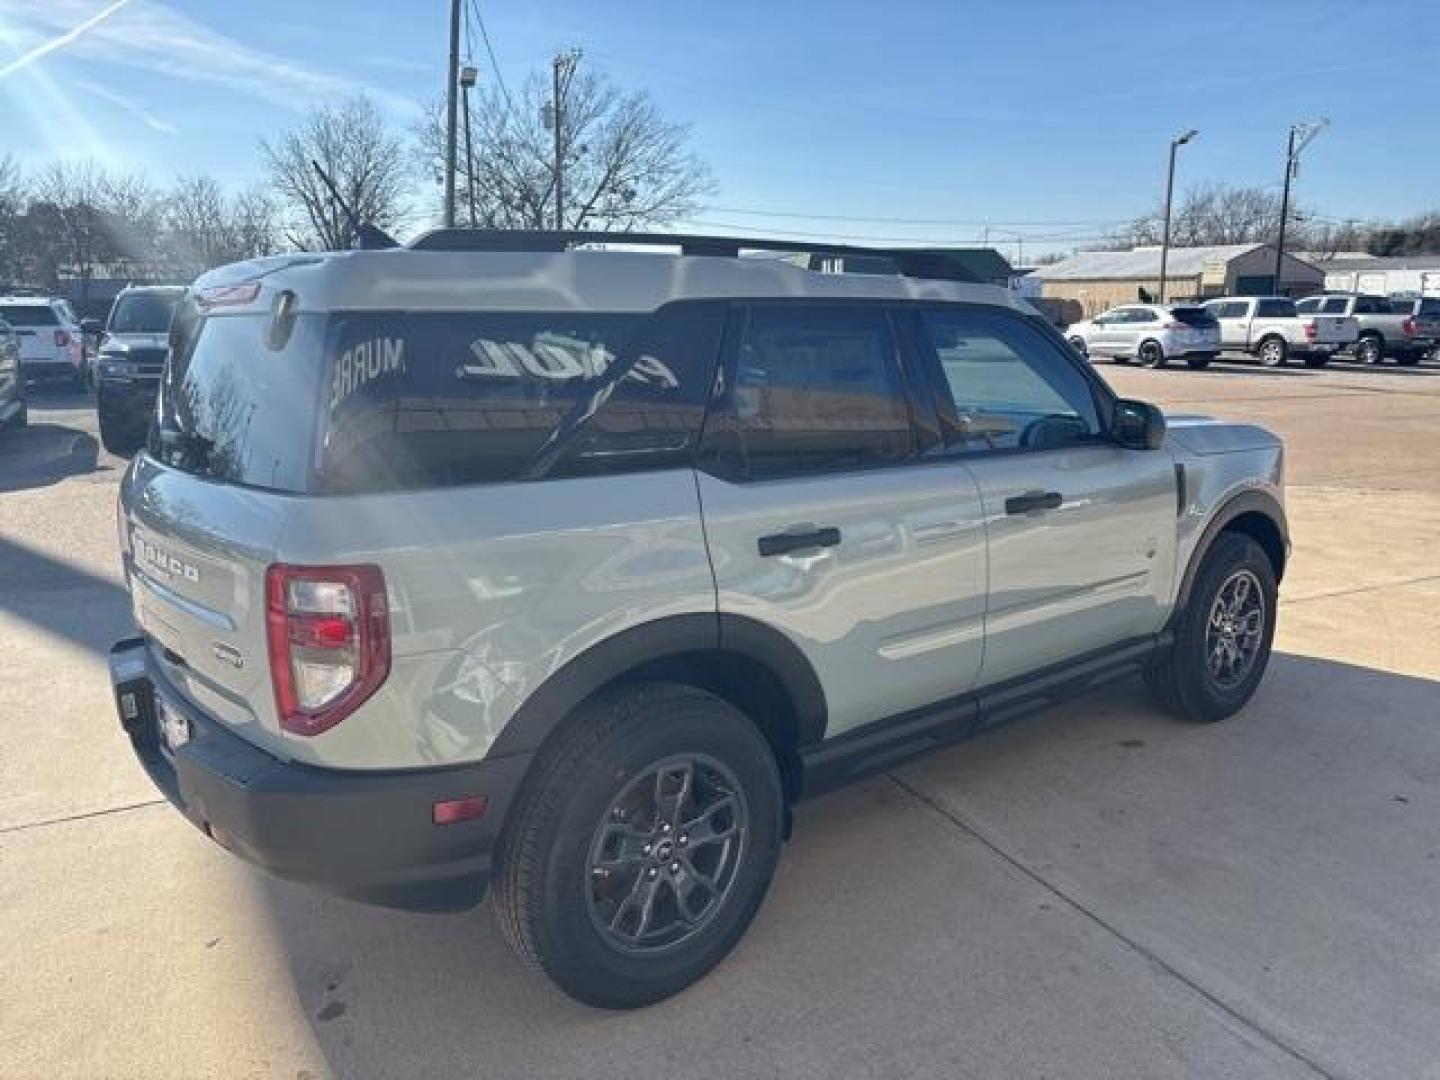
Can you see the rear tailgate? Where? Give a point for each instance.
(195, 555)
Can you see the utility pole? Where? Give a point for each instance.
(452, 85)
(468, 77)
(1305, 131)
(562, 69)
(1175, 144)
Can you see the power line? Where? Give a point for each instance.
(490, 51)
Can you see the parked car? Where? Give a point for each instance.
(1383, 331)
(12, 387)
(1425, 311)
(485, 561)
(1152, 334)
(127, 372)
(1270, 329)
(50, 341)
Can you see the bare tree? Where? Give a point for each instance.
(14, 196)
(366, 160)
(69, 194)
(626, 166)
(1212, 214)
(207, 228)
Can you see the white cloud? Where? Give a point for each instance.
(151, 36)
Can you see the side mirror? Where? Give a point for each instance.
(1138, 425)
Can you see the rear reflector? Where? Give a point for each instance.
(450, 811)
(62, 339)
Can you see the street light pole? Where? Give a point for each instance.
(1305, 132)
(452, 80)
(1175, 144)
(562, 68)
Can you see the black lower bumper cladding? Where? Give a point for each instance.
(370, 836)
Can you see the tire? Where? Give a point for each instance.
(1199, 361)
(1150, 354)
(1182, 679)
(120, 437)
(1273, 352)
(1370, 349)
(1316, 360)
(556, 907)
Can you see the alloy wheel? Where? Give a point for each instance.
(665, 858)
(1235, 630)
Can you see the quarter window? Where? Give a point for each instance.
(1012, 388)
(811, 389)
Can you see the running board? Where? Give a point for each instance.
(874, 747)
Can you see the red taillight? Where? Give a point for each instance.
(62, 339)
(1408, 326)
(1311, 331)
(328, 629)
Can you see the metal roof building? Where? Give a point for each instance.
(1417, 275)
(1102, 279)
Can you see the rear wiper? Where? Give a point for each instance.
(563, 437)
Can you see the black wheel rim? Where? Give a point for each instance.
(664, 859)
(1235, 630)
(1150, 355)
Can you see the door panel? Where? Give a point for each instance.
(1090, 572)
(891, 616)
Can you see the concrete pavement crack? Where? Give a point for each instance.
(79, 817)
(1250, 1024)
(1286, 600)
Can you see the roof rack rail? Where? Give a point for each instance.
(909, 262)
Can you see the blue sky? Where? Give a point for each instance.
(1046, 118)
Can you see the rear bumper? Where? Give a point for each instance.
(49, 369)
(368, 836)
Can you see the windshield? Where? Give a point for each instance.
(143, 313)
(29, 315)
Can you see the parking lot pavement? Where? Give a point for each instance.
(1096, 891)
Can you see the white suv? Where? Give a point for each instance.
(569, 572)
(1151, 334)
(51, 344)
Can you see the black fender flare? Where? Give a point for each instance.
(660, 639)
(1252, 501)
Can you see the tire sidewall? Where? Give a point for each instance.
(572, 950)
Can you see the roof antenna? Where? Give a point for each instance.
(367, 236)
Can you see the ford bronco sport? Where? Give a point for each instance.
(488, 561)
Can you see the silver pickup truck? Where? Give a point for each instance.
(1384, 328)
(1272, 330)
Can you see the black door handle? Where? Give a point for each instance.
(1033, 500)
(786, 542)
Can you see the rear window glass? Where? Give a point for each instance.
(1275, 309)
(234, 410)
(1193, 316)
(436, 400)
(142, 313)
(29, 315)
(1308, 306)
(1430, 307)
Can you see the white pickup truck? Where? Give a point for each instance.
(1383, 327)
(1270, 329)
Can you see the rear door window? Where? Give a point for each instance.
(1334, 306)
(435, 400)
(1275, 309)
(30, 315)
(812, 388)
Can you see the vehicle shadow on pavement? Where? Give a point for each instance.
(43, 454)
(1072, 894)
(63, 598)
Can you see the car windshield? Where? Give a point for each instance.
(143, 313)
(29, 315)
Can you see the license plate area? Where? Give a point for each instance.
(172, 729)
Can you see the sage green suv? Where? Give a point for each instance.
(496, 561)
